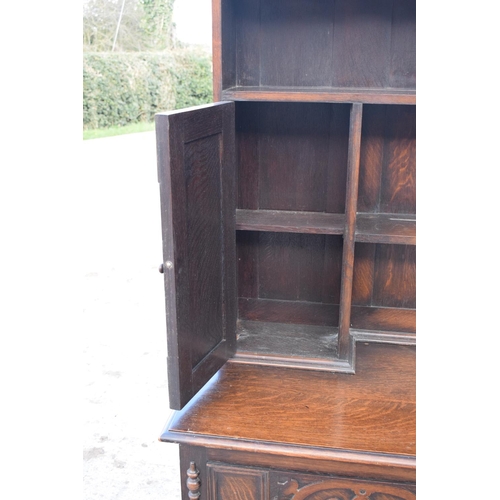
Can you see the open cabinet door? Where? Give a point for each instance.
(196, 170)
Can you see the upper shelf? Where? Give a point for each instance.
(370, 228)
(320, 94)
(321, 51)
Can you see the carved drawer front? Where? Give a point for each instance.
(227, 482)
(302, 487)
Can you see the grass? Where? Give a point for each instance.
(126, 129)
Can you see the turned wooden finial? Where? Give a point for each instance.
(193, 482)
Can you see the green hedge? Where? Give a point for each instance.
(130, 87)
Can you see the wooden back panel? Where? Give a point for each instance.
(292, 156)
(324, 43)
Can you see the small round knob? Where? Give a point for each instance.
(168, 265)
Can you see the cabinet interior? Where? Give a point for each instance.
(292, 176)
(333, 47)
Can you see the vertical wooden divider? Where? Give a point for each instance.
(349, 230)
(217, 49)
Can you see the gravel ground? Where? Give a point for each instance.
(124, 344)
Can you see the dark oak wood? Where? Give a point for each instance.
(371, 413)
(189, 455)
(370, 228)
(288, 311)
(388, 160)
(227, 482)
(356, 50)
(283, 221)
(230, 482)
(196, 174)
(318, 94)
(386, 228)
(367, 317)
(289, 229)
(349, 230)
(292, 156)
(274, 339)
(386, 468)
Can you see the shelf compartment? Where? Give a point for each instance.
(284, 221)
(261, 338)
(287, 311)
(320, 94)
(383, 319)
(386, 228)
(342, 51)
(292, 156)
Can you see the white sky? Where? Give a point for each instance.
(193, 19)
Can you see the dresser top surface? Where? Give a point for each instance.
(373, 411)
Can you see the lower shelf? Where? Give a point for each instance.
(312, 345)
(385, 319)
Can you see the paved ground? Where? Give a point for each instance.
(125, 385)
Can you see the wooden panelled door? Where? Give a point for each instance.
(196, 172)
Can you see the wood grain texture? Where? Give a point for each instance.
(395, 276)
(349, 229)
(226, 482)
(331, 462)
(217, 45)
(239, 482)
(203, 219)
(289, 267)
(274, 339)
(247, 42)
(289, 311)
(372, 412)
(367, 317)
(361, 48)
(388, 160)
(284, 221)
(296, 45)
(292, 156)
(187, 455)
(319, 94)
(386, 228)
(309, 487)
(355, 50)
(195, 164)
(403, 45)
(247, 245)
(398, 193)
(385, 277)
(383, 319)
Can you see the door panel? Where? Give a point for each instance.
(196, 171)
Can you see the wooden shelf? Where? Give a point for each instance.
(282, 221)
(274, 339)
(370, 228)
(386, 228)
(381, 319)
(380, 397)
(321, 94)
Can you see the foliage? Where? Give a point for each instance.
(145, 25)
(123, 88)
(192, 74)
(157, 23)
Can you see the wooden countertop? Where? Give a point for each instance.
(371, 414)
